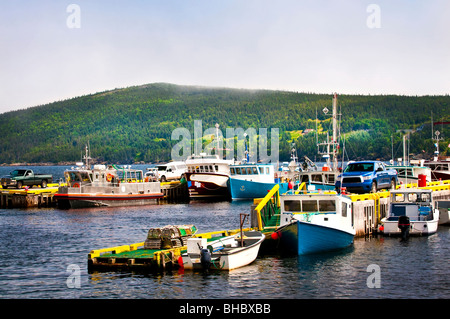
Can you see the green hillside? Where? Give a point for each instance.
(135, 124)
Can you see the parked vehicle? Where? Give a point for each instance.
(25, 177)
(366, 176)
(171, 171)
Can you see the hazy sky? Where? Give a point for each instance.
(50, 50)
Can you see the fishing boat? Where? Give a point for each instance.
(103, 185)
(411, 212)
(207, 176)
(410, 171)
(440, 168)
(315, 223)
(249, 181)
(225, 253)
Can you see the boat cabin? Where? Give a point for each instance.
(253, 172)
(303, 206)
(101, 175)
(417, 204)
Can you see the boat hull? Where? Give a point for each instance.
(90, 200)
(417, 228)
(228, 258)
(205, 186)
(305, 238)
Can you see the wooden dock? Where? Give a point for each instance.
(175, 191)
(28, 197)
(135, 257)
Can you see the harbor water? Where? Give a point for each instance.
(43, 254)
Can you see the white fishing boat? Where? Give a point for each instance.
(207, 176)
(314, 223)
(411, 212)
(225, 253)
(105, 185)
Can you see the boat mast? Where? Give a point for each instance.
(87, 157)
(334, 141)
(331, 146)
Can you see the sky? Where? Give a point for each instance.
(56, 50)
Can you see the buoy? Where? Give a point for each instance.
(180, 262)
(274, 236)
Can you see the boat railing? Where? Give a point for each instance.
(268, 209)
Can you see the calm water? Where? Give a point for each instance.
(38, 246)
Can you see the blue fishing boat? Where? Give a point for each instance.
(248, 181)
(315, 223)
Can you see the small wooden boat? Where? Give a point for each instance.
(224, 253)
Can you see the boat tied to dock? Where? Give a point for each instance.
(106, 185)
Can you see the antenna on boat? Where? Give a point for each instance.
(87, 156)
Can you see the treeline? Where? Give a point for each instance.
(135, 124)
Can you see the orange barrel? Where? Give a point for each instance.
(422, 180)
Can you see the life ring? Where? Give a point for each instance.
(109, 177)
(76, 185)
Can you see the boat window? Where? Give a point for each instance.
(330, 178)
(316, 178)
(211, 168)
(425, 197)
(267, 171)
(216, 167)
(305, 179)
(206, 169)
(412, 197)
(232, 170)
(344, 209)
(261, 170)
(255, 171)
(249, 171)
(238, 170)
(292, 205)
(309, 206)
(327, 205)
(399, 198)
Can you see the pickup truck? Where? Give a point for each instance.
(25, 177)
(366, 176)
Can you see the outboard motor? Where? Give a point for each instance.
(404, 225)
(205, 258)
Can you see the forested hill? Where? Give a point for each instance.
(135, 124)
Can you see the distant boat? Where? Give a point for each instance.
(225, 253)
(440, 168)
(315, 223)
(411, 173)
(249, 181)
(105, 186)
(411, 212)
